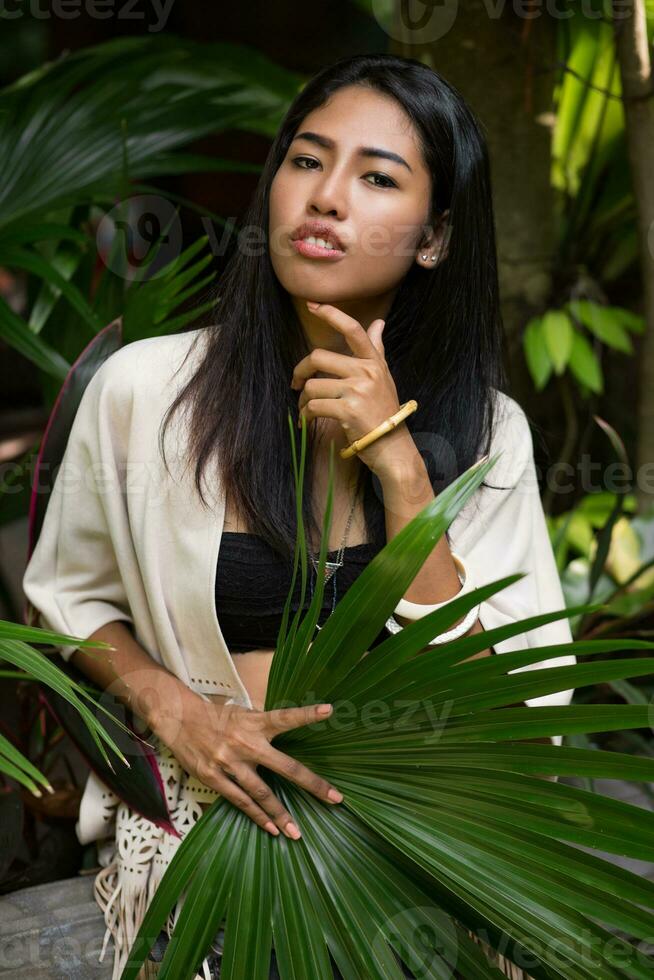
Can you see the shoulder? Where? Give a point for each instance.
(511, 438)
(501, 494)
(144, 369)
(150, 359)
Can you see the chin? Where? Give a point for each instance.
(320, 287)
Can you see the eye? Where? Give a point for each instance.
(296, 161)
(390, 181)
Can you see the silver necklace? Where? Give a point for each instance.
(331, 567)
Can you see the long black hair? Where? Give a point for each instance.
(442, 338)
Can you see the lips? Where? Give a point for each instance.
(318, 229)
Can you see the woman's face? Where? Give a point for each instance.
(377, 206)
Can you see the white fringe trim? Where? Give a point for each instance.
(124, 888)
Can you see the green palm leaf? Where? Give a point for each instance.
(445, 832)
(15, 648)
(21, 258)
(63, 128)
(92, 127)
(76, 709)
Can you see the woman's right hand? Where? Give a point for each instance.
(222, 744)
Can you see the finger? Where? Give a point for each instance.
(222, 784)
(320, 388)
(324, 408)
(328, 361)
(375, 331)
(264, 798)
(285, 719)
(298, 773)
(358, 340)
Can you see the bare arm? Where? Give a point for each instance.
(131, 675)
(221, 746)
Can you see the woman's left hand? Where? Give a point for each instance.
(362, 392)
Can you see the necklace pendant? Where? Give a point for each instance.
(330, 568)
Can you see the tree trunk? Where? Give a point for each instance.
(630, 32)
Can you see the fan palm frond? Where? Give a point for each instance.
(445, 832)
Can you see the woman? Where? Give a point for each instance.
(375, 204)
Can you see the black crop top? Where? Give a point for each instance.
(253, 582)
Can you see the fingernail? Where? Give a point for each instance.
(273, 828)
(293, 830)
(335, 796)
(324, 709)
(313, 306)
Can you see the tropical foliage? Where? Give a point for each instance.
(84, 132)
(564, 338)
(16, 647)
(445, 828)
(81, 140)
(590, 167)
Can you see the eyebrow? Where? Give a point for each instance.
(363, 151)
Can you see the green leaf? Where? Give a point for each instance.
(15, 332)
(21, 258)
(601, 321)
(627, 319)
(39, 667)
(209, 834)
(62, 126)
(558, 334)
(536, 354)
(584, 364)
(199, 919)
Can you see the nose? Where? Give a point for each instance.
(328, 196)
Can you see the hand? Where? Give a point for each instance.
(217, 741)
(362, 392)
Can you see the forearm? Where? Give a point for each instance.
(407, 491)
(130, 674)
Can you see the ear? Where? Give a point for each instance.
(445, 233)
(434, 247)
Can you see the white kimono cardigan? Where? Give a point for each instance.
(122, 540)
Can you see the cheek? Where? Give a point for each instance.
(281, 211)
(273, 206)
(388, 238)
(280, 199)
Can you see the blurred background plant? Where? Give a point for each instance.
(127, 160)
(28, 753)
(604, 544)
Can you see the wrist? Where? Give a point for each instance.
(163, 701)
(405, 486)
(399, 461)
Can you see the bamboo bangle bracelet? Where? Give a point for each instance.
(390, 423)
